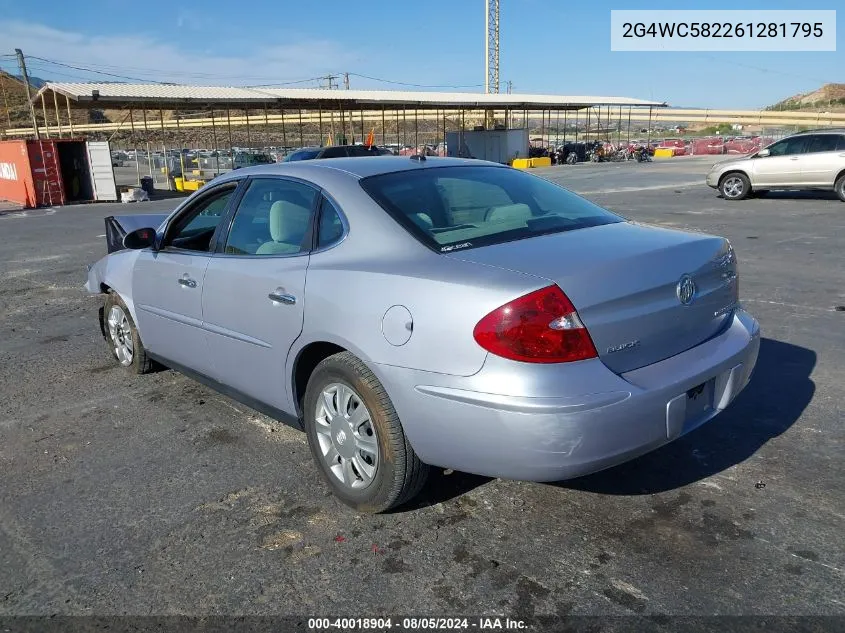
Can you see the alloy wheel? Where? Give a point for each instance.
(121, 335)
(733, 187)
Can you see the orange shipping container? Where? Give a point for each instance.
(16, 184)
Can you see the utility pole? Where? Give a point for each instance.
(330, 79)
(346, 80)
(22, 65)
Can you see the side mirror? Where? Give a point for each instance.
(762, 153)
(140, 238)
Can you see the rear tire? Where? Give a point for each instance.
(735, 186)
(840, 187)
(121, 334)
(356, 437)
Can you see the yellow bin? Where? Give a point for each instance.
(664, 152)
(192, 185)
(521, 163)
(542, 161)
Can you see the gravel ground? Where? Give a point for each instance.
(155, 495)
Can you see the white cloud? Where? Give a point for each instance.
(223, 61)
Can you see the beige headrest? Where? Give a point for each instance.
(288, 221)
(509, 213)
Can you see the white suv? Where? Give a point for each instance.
(808, 160)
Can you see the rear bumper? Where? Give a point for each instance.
(553, 422)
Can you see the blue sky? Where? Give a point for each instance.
(547, 46)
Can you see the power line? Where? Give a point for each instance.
(97, 71)
(159, 72)
(287, 83)
(402, 83)
(763, 70)
(91, 70)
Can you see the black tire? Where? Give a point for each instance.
(839, 187)
(734, 186)
(399, 473)
(140, 363)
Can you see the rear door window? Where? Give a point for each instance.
(330, 228)
(273, 218)
(822, 143)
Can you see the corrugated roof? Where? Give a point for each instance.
(445, 99)
(168, 93)
(174, 95)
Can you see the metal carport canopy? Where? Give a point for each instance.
(174, 96)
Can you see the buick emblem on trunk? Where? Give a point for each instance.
(685, 290)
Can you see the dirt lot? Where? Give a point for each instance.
(154, 495)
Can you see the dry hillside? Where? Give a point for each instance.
(828, 97)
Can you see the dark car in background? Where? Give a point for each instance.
(332, 151)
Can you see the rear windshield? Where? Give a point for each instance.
(448, 208)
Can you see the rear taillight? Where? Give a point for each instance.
(540, 327)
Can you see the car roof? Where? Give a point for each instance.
(823, 130)
(359, 167)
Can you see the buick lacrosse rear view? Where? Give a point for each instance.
(409, 313)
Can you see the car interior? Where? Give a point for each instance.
(198, 230)
(271, 219)
(453, 209)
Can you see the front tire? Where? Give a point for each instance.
(735, 186)
(121, 334)
(356, 437)
(839, 187)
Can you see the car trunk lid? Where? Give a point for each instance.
(625, 281)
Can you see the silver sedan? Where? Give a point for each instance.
(417, 312)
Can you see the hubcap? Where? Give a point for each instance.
(733, 187)
(347, 436)
(120, 333)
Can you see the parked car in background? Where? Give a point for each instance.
(708, 145)
(332, 151)
(249, 159)
(323, 293)
(745, 144)
(807, 160)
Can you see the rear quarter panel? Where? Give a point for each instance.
(347, 299)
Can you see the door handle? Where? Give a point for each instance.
(187, 282)
(793, 158)
(279, 297)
